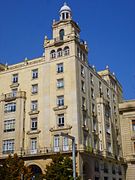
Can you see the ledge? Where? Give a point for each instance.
(60, 108)
(33, 132)
(33, 112)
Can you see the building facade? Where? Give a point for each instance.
(127, 121)
(61, 92)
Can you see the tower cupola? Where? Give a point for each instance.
(65, 12)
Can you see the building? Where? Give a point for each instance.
(127, 121)
(61, 92)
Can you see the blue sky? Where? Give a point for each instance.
(108, 26)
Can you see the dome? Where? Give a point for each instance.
(65, 8)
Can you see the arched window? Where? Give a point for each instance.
(59, 52)
(52, 54)
(61, 34)
(66, 51)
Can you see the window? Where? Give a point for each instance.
(82, 71)
(83, 103)
(84, 120)
(114, 98)
(60, 100)
(56, 143)
(15, 78)
(91, 78)
(60, 83)
(119, 170)
(109, 148)
(83, 57)
(100, 89)
(60, 120)
(9, 125)
(60, 68)
(34, 105)
(33, 146)
(52, 54)
(14, 92)
(61, 34)
(113, 169)
(78, 52)
(133, 125)
(94, 124)
(8, 146)
(66, 51)
(107, 90)
(34, 123)
(65, 144)
(92, 93)
(93, 108)
(34, 88)
(83, 86)
(59, 52)
(95, 143)
(34, 73)
(10, 107)
(96, 166)
(105, 168)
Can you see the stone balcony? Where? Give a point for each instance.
(12, 96)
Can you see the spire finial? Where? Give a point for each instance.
(65, 3)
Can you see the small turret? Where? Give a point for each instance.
(65, 12)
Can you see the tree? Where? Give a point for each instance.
(60, 168)
(13, 168)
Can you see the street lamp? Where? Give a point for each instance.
(73, 151)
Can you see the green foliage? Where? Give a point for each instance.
(60, 168)
(13, 168)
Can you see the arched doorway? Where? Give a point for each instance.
(36, 171)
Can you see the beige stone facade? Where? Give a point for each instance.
(127, 121)
(61, 92)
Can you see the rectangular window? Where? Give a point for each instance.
(15, 78)
(91, 78)
(93, 108)
(60, 120)
(84, 120)
(14, 92)
(83, 103)
(8, 146)
(34, 105)
(9, 125)
(133, 125)
(107, 91)
(34, 123)
(34, 88)
(10, 107)
(94, 124)
(60, 83)
(65, 144)
(56, 143)
(109, 148)
(34, 73)
(60, 68)
(33, 145)
(83, 86)
(92, 93)
(60, 100)
(82, 71)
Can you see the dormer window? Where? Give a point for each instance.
(61, 34)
